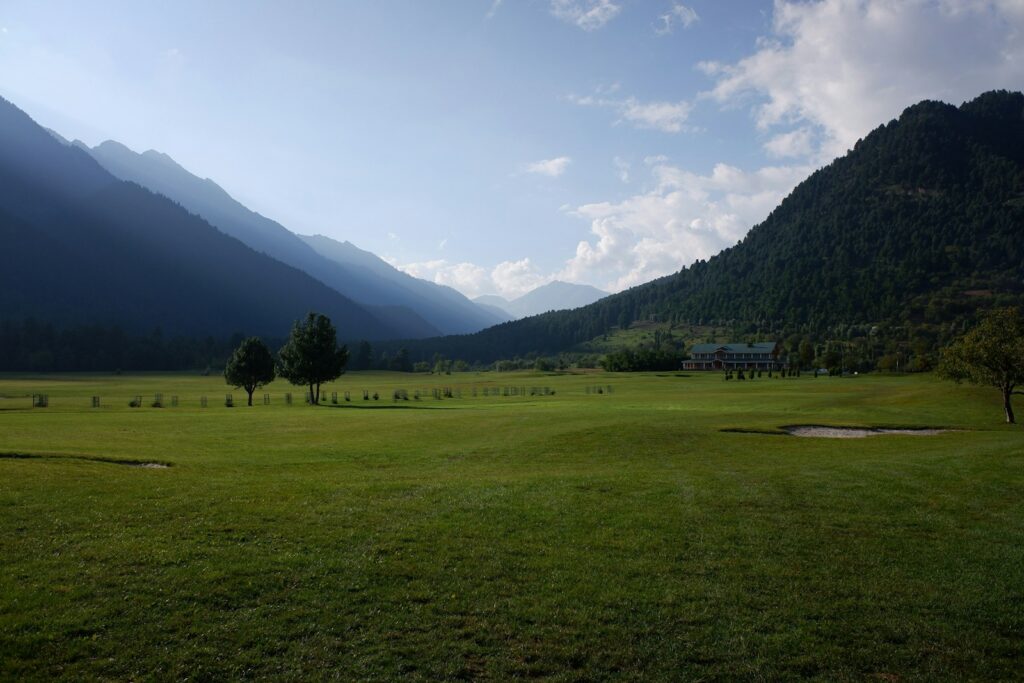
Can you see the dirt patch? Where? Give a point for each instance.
(824, 432)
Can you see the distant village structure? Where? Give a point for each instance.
(759, 356)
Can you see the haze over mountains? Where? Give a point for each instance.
(415, 307)
(82, 247)
(554, 296)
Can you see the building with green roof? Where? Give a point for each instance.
(756, 356)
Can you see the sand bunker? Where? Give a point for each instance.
(151, 465)
(822, 432)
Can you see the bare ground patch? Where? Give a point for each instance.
(826, 432)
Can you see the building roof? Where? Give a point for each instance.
(759, 347)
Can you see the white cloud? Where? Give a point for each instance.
(679, 14)
(796, 143)
(494, 9)
(515, 278)
(684, 218)
(589, 15)
(470, 279)
(442, 244)
(549, 167)
(393, 237)
(664, 116)
(846, 66)
(510, 279)
(668, 117)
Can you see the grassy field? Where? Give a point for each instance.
(579, 536)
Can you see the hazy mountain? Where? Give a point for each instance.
(445, 306)
(554, 296)
(916, 228)
(495, 304)
(412, 306)
(80, 246)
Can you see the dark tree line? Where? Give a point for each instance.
(32, 346)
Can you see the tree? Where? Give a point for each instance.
(250, 367)
(311, 355)
(991, 354)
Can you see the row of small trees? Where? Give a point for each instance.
(309, 358)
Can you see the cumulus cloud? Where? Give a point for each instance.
(680, 15)
(468, 278)
(549, 167)
(795, 143)
(588, 15)
(515, 278)
(510, 279)
(845, 66)
(685, 217)
(668, 117)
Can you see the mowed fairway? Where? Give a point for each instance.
(573, 537)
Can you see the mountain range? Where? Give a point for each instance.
(915, 229)
(81, 246)
(554, 296)
(416, 308)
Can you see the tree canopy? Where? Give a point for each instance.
(991, 354)
(312, 356)
(250, 366)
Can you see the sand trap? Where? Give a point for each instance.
(151, 465)
(821, 432)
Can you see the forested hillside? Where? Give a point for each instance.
(918, 226)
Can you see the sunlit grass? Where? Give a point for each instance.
(577, 536)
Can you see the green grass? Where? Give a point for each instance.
(571, 537)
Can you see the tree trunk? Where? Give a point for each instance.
(311, 394)
(1007, 408)
(250, 395)
(318, 393)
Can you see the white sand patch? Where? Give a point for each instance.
(149, 465)
(854, 432)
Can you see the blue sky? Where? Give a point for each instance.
(494, 146)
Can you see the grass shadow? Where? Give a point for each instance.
(89, 458)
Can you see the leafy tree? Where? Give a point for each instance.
(991, 354)
(311, 355)
(250, 367)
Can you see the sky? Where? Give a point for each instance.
(496, 145)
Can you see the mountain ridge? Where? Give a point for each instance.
(82, 247)
(410, 307)
(552, 296)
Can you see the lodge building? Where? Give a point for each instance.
(759, 356)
